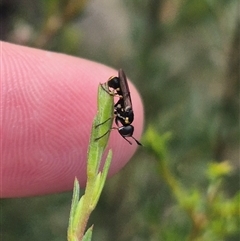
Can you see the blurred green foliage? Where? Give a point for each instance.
(183, 56)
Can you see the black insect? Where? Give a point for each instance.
(123, 111)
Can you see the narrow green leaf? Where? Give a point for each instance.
(88, 235)
(78, 212)
(75, 200)
(97, 147)
(100, 180)
(105, 171)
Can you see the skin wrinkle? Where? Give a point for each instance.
(49, 102)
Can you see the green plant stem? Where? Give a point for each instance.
(81, 209)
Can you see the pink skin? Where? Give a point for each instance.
(48, 102)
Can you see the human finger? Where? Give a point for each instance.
(49, 101)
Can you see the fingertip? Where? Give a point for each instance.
(49, 102)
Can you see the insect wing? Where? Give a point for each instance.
(125, 89)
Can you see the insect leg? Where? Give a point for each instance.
(98, 138)
(137, 141)
(103, 122)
